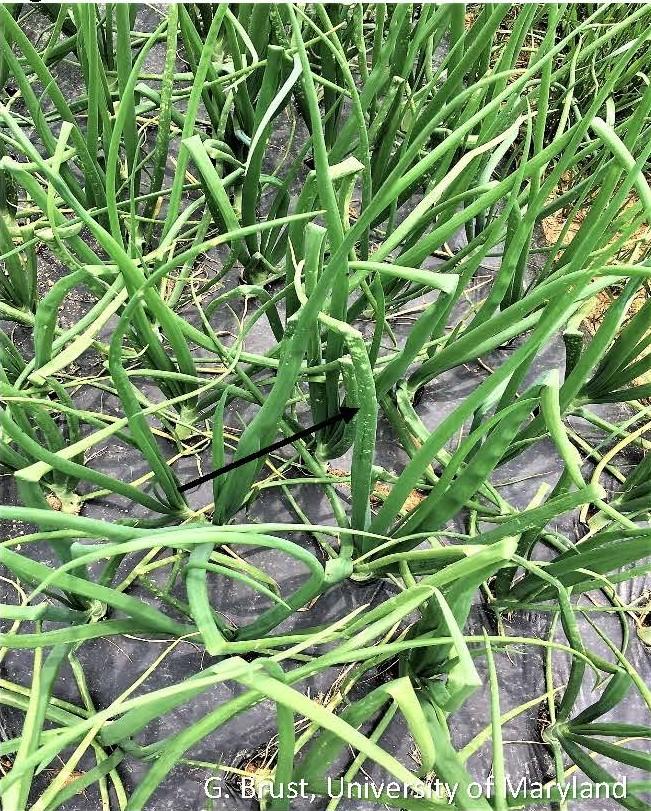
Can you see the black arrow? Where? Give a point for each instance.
(346, 413)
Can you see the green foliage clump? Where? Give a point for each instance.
(306, 171)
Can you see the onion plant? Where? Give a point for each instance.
(254, 200)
